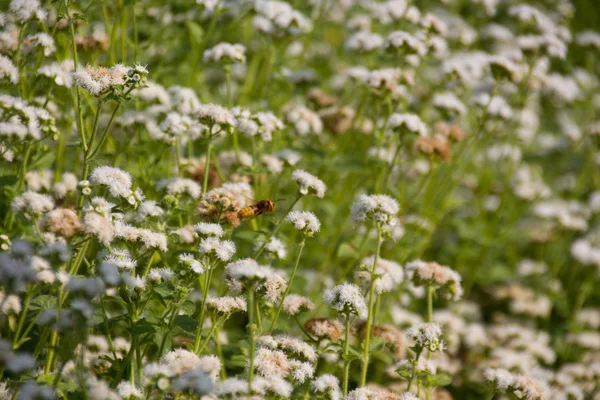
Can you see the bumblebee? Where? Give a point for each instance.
(262, 207)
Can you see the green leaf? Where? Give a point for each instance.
(44, 161)
(142, 326)
(354, 352)
(8, 180)
(43, 302)
(188, 307)
(376, 344)
(186, 323)
(440, 380)
(165, 290)
(196, 31)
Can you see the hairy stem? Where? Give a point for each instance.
(345, 355)
(289, 284)
(370, 321)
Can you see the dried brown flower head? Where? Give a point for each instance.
(324, 328)
(438, 144)
(452, 131)
(389, 334)
(320, 98)
(338, 120)
(63, 222)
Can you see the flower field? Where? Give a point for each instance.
(311, 199)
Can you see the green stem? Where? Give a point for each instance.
(223, 372)
(430, 290)
(76, 66)
(107, 328)
(208, 337)
(252, 333)
(105, 133)
(412, 375)
(429, 319)
(386, 178)
(123, 30)
(289, 284)
(53, 342)
(208, 278)
(22, 318)
(207, 166)
(370, 322)
(169, 327)
(21, 183)
(135, 33)
(149, 264)
(177, 156)
(228, 82)
(268, 239)
(345, 355)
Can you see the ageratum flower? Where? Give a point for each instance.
(407, 122)
(347, 298)
(309, 184)
(225, 305)
(225, 53)
(443, 278)
(427, 336)
(295, 304)
(388, 274)
(32, 204)
(8, 70)
(377, 208)
(327, 385)
(100, 80)
(304, 221)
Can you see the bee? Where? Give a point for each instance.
(262, 207)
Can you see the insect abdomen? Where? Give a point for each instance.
(246, 212)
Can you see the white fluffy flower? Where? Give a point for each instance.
(431, 273)
(407, 42)
(190, 261)
(427, 335)
(209, 229)
(304, 221)
(448, 101)
(275, 247)
(149, 208)
(305, 121)
(378, 207)
(364, 41)
(309, 183)
(32, 203)
(226, 53)
(98, 79)
(410, 122)
(347, 297)
(43, 40)
(8, 70)
(181, 186)
(295, 303)
(226, 304)
(117, 181)
(222, 249)
(327, 384)
(127, 389)
(389, 273)
(214, 114)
